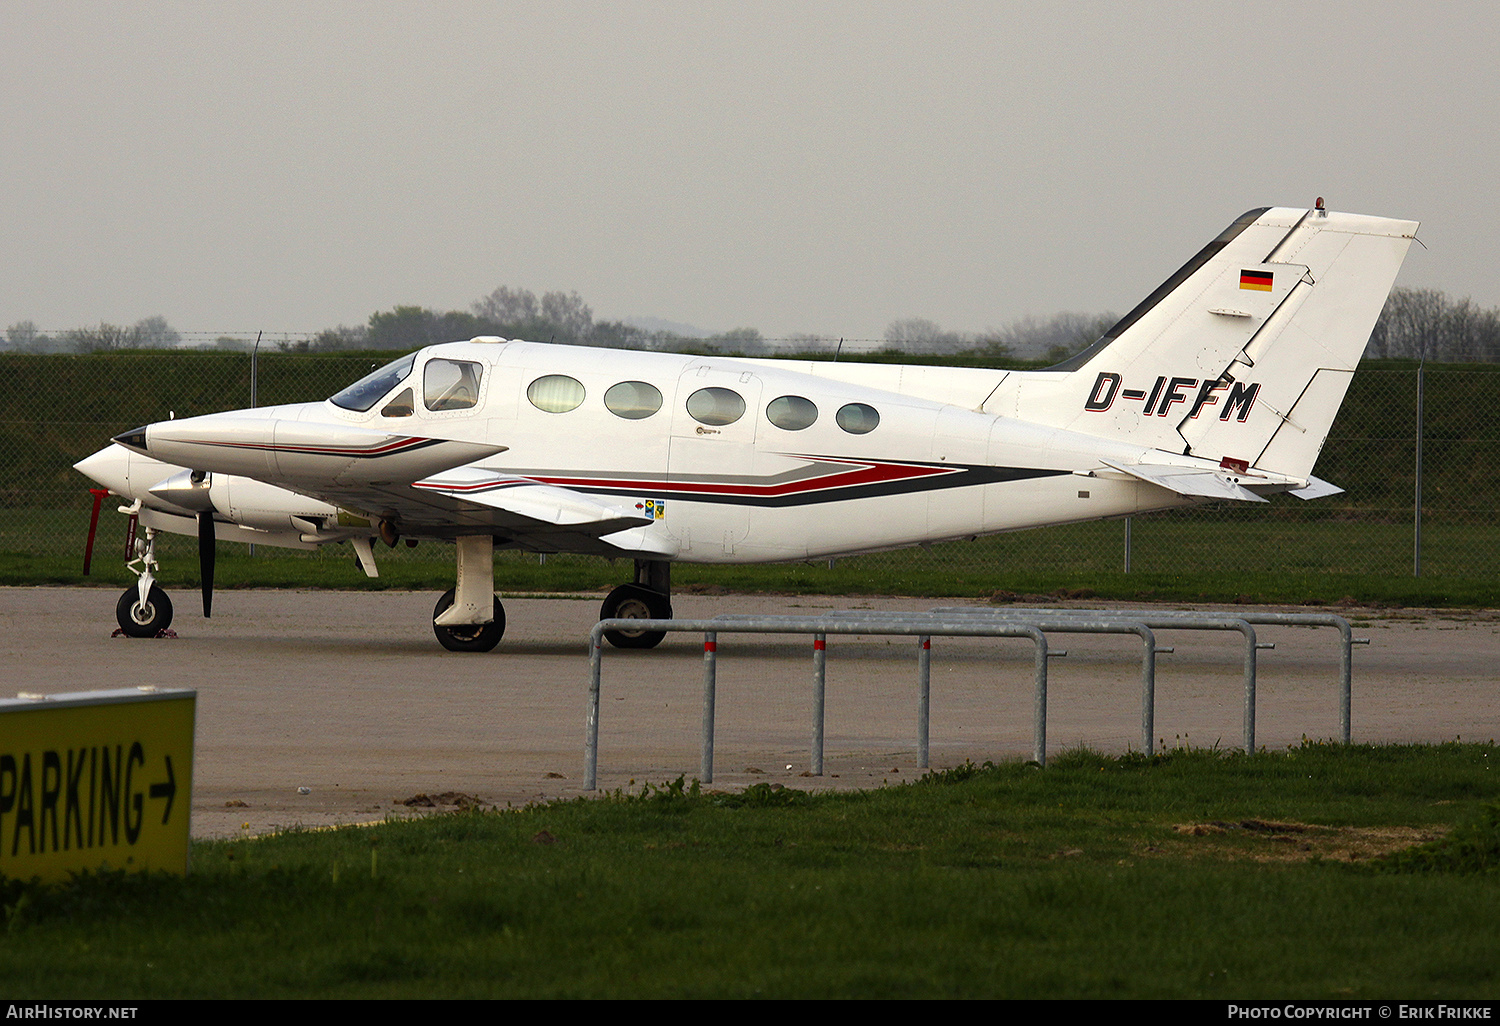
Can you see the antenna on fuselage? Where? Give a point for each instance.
(837, 351)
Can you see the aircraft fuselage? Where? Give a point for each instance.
(1221, 384)
(740, 461)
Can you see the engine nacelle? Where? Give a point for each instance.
(263, 506)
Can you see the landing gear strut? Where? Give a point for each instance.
(469, 618)
(144, 610)
(648, 598)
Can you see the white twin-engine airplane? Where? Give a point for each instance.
(1222, 384)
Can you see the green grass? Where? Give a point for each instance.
(1186, 557)
(1076, 881)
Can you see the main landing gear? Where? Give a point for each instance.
(469, 618)
(464, 621)
(648, 598)
(479, 637)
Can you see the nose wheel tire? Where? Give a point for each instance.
(479, 637)
(634, 602)
(143, 621)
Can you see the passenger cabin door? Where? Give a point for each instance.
(712, 454)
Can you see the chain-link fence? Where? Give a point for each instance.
(60, 408)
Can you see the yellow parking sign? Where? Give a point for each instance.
(96, 780)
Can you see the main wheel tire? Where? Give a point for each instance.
(635, 602)
(143, 621)
(480, 637)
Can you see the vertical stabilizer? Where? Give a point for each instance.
(1245, 353)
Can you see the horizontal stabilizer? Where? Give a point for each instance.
(1316, 488)
(1197, 482)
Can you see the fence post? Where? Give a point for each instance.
(1127, 544)
(820, 684)
(710, 693)
(1416, 513)
(924, 700)
(254, 355)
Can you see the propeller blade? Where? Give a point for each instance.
(206, 552)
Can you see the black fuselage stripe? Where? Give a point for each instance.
(969, 477)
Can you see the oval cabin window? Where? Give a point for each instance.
(792, 413)
(715, 406)
(633, 400)
(857, 418)
(555, 393)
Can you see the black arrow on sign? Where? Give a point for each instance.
(167, 791)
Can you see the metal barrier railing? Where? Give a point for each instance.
(1191, 622)
(1033, 624)
(1053, 626)
(1163, 619)
(819, 628)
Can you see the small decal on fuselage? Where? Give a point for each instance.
(1195, 396)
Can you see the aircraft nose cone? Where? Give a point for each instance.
(109, 467)
(135, 439)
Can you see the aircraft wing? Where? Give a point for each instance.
(531, 514)
(422, 485)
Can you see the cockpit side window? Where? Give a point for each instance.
(401, 406)
(366, 392)
(450, 384)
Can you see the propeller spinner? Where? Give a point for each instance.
(190, 490)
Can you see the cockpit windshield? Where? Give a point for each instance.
(366, 392)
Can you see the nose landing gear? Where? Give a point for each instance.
(144, 611)
(144, 618)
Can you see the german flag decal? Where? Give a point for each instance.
(1260, 281)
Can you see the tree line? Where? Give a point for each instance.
(560, 317)
(1415, 324)
(1419, 324)
(146, 333)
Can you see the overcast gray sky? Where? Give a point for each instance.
(789, 166)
